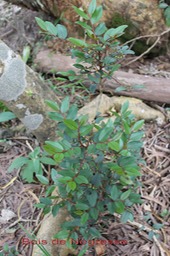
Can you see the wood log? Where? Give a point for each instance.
(154, 88)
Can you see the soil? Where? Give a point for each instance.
(17, 198)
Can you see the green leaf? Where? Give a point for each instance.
(119, 207)
(65, 105)
(51, 28)
(61, 31)
(163, 5)
(92, 7)
(158, 226)
(47, 160)
(100, 29)
(81, 180)
(27, 172)
(114, 146)
(63, 234)
(18, 163)
(82, 206)
(97, 14)
(54, 146)
(84, 218)
(114, 192)
(85, 130)
(126, 216)
(52, 105)
(105, 133)
(6, 116)
(111, 207)
(65, 179)
(84, 25)
(94, 232)
(125, 194)
(55, 116)
(120, 89)
(94, 213)
(114, 32)
(77, 42)
(26, 53)
(71, 124)
(138, 125)
(55, 209)
(81, 13)
(58, 157)
(92, 198)
(124, 107)
(71, 185)
(42, 179)
(41, 23)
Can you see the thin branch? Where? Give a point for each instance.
(150, 48)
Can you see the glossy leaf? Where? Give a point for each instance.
(61, 31)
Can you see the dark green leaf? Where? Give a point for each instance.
(27, 172)
(114, 32)
(119, 207)
(92, 198)
(47, 160)
(120, 88)
(51, 28)
(71, 185)
(55, 116)
(77, 42)
(54, 146)
(63, 234)
(125, 194)
(81, 180)
(18, 163)
(114, 146)
(94, 232)
(138, 125)
(58, 157)
(124, 107)
(84, 218)
(94, 213)
(52, 105)
(6, 116)
(55, 209)
(84, 25)
(42, 179)
(41, 23)
(126, 216)
(163, 5)
(65, 105)
(92, 7)
(97, 14)
(100, 29)
(71, 124)
(114, 192)
(82, 206)
(105, 133)
(81, 13)
(61, 31)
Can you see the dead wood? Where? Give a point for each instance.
(154, 88)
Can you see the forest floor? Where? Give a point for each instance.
(149, 234)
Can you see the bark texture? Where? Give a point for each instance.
(22, 91)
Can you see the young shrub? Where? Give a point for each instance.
(97, 169)
(98, 55)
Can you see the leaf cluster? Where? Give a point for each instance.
(97, 165)
(98, 55)
(163, 5)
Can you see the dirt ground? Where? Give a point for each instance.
(18, 29)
